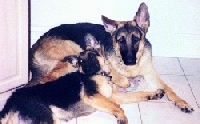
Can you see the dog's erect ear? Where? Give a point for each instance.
(71, 59)
(142, 17)
(109, 25)
(91, 41)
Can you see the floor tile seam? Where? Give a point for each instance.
(181, 66)
(193, 95)
(160, 101)
(172, 74)
(170, 102)
(185, 75)
(192, 75)
(140, 114)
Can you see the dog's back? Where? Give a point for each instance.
(34, 103)
(61, 41)
(76, 33)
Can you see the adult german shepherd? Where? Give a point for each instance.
(135, 51)
(124, 45)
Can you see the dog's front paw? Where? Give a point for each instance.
(184, 106)
(122, 82)
(122, 120)
(158, 95)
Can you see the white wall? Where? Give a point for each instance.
(174, 29)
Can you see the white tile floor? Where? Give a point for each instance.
(182, 74)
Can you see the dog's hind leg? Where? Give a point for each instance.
(104, 104)
(61, 69)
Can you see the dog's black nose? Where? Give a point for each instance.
(130, 61)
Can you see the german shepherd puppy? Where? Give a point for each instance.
(132, 55)
(72, 95)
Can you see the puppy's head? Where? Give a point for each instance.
(92, 63)
(129, 36)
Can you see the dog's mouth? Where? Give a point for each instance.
(106, 74)
(129, 60)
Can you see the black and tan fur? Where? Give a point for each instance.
(66, 40)
(124, 45)
(72, 95)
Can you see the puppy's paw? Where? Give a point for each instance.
(184, 106)
(157, 95)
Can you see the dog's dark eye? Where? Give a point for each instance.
(92, 56)
(122, 40)
(135, 39)
(81, 53)
(80, 61)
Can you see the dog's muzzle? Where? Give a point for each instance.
(103, 73)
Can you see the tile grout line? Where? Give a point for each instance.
(193, 95)
(140, 113)
(188, 82)
(181, 67)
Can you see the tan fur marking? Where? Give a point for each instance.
(104, 86)
(13, 118)
(118, 79)
(60, 114)
(102, 103)
(55, 119)
(49, 54)
(58, 49)
(61, 69)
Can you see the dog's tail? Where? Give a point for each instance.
(3, 113)
(7, 107)
(8, 114)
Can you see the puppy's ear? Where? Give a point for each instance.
(91, 41)
(142, 17)
(109, 25)
(71, 59)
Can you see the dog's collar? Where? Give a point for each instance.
(102, 73)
